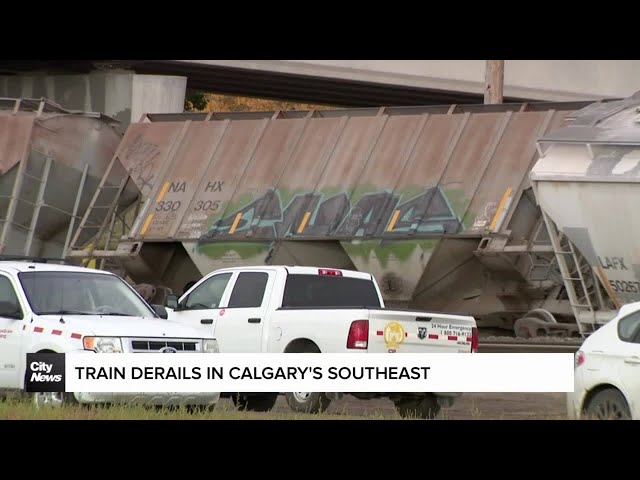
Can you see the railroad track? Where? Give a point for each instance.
(523, 346)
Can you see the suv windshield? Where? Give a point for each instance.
(80, 293)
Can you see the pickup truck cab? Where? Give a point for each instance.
(313, 309)
(47, 307)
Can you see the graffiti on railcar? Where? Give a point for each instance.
(334, 215)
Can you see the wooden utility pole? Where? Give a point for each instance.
(494, 80)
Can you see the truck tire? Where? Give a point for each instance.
(418, 407)
(259, 402)
(52, 399)
(307, 402)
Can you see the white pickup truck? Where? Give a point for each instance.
(312, 309)
(45, 307)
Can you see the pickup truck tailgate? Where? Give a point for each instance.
(415, 332)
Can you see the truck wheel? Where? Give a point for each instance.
(52, 399)
(608, 404)
(262, 402)
(418, 407)
(307, 402)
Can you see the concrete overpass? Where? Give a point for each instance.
(126, 89)
(410, 82)
(376, 82)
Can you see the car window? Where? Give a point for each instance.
(9, 304)
(324, 291)
(629, 328)
(208, 294)
(249, 290)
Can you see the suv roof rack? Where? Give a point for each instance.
(25, 258)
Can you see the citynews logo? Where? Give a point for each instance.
(45, 372)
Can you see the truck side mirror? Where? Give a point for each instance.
(161, 311)
(171, 301)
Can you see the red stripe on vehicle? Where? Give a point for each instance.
(38, 329)
(452, 337)
(469, 339)
(56, 332)
(379, 333)
(76, 335)
(433, 336)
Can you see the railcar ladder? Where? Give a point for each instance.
(34, 206)
(580, 293)
(113, 191)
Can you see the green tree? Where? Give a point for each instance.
(195, 101)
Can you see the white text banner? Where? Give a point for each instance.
(327, 372)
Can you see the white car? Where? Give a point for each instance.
(53, 308)
(607, 370)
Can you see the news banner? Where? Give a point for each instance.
(280, 372)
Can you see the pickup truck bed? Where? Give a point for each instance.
(386, 330)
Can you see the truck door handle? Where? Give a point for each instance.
(206, 321)
(254, 320)
(633, 359)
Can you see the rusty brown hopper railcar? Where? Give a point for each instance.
(434, 201)
(51, 162)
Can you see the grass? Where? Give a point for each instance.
(13, 409)
(16, 408)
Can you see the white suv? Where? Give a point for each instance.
(607, 370)
(46, 307)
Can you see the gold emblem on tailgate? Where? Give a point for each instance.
(393, 334)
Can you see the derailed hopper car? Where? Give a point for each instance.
(587, 183)
(434, 201)
(51, 163)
